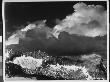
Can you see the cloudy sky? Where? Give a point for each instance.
(21, 13)
(72, 33)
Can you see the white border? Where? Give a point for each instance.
(108, 40)
(3, 17)
(47, 1)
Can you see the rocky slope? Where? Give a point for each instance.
(84, 67)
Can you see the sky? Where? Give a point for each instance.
(0, 11)
(18, 14)
(0, 18)
(76, 33)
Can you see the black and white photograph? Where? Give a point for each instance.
(56, 40)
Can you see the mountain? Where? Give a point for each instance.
(65, 45)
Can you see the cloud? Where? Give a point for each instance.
(28, 32)
(72, 36)
(87, 20)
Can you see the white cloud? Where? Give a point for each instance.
(86, 20)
